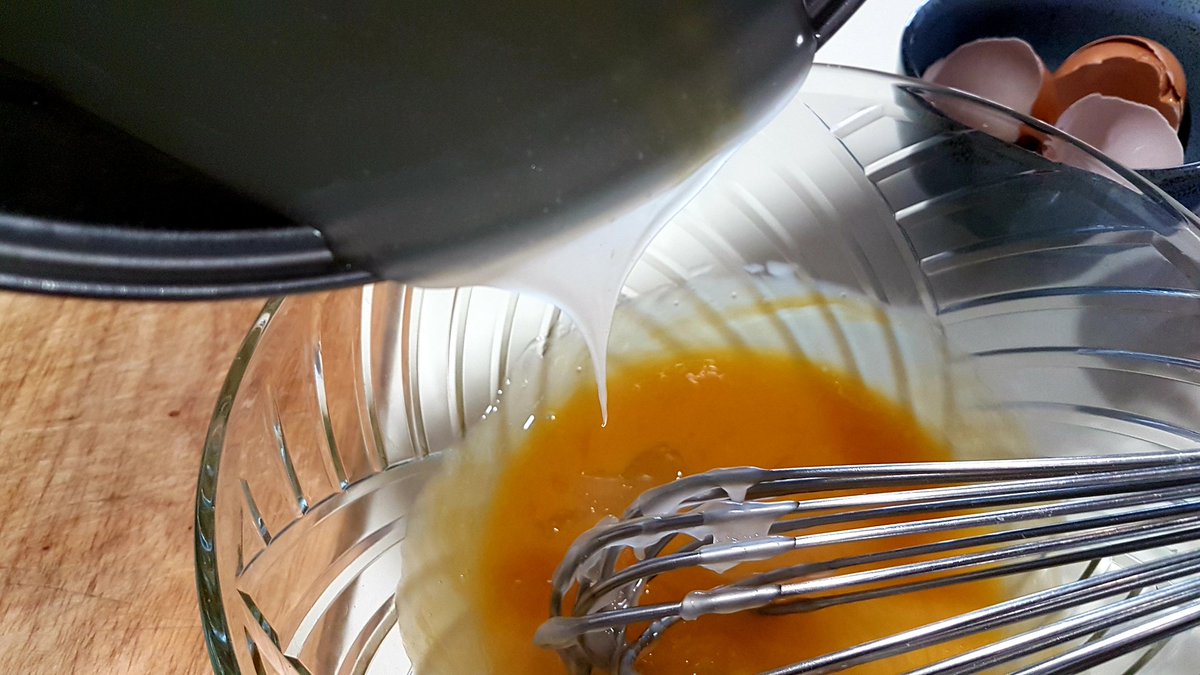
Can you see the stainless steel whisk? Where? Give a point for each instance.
(1000, 518)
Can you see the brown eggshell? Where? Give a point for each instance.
(1047, 106)
(1125, 66)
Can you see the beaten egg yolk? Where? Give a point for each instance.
(697, 412)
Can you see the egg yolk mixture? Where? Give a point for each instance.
(693, 413)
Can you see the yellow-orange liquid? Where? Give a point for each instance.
(692, 413)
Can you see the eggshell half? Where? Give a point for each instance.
(1005, 70)
(1133, 134)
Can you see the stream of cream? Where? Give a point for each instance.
(583, 275)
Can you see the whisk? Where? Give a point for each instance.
(999, 517)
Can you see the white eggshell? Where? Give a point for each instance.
(1133, 134)
(934, 68)
(1005, 70)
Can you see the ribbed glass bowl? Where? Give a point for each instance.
(1074, 298)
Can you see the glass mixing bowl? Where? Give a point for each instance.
(1074, 296)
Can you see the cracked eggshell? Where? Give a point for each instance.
(1133, 134)
(1005, 70)
(1125, 66)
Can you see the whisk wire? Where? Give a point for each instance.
(767, 483)
(1120, 541)
(1072, 594)
(707, 554)
(1065, 630)
(896, 504)
(1001, 517)
(1084, 658)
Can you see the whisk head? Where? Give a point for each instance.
(978, 519)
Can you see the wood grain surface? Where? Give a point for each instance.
(103, 410)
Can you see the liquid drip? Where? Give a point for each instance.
(583, 276)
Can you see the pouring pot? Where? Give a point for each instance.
(191, 150)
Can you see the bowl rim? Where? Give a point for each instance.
(213, 621)
(213, 618)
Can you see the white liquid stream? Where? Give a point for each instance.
(583, 275)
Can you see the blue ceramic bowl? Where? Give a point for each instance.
(1056, 28)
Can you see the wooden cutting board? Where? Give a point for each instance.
(103, 411)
